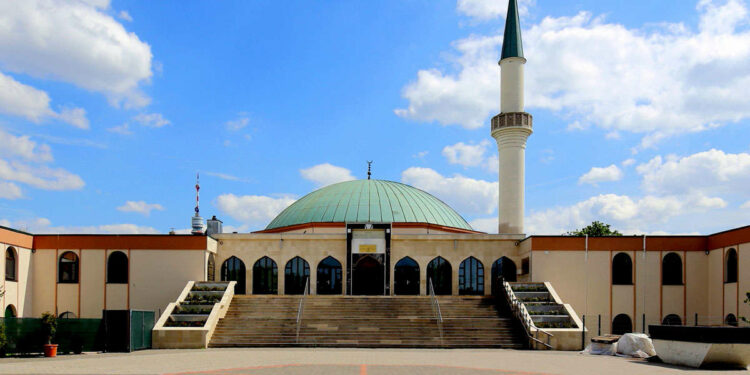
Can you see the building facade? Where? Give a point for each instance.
(375, 237)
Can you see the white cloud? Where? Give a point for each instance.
(9, 190)
(224, 176)
(253, 210)
(627, 214)
(597, 175)
(152, 120)
(23, 147)
(487, 225)
(75, 42)
(745, 206)
(326, 174)
(123, 129)
(125, 16)
(670, 79)
(467, 155)
(709, 172)
(140, 207)
(628, 162)
(483, 10)
(44, 226)
(40, 176)
(466, 195)
(18, 99)
(237, 124)
(466, 98)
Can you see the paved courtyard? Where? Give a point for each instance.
(340, 362)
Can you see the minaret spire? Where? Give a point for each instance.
(512, 43)
(512, 127)
(369, 169)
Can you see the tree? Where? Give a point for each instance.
(596, 229)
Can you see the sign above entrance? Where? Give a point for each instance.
(367, 249)
(368, 241)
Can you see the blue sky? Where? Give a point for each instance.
(109, 109)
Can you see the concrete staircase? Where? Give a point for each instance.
(354, 321)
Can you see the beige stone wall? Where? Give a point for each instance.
(584, 280)
(16, 292)
(155, 279)
(315, 247)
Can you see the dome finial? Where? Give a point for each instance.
(369, 169)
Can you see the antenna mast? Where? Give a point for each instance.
(197, 221)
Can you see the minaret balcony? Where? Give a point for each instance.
(512, 120)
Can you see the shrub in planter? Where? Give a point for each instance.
(49, 328)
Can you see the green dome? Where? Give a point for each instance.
(369, 201)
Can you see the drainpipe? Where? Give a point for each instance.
(586, 310)
(643, 290)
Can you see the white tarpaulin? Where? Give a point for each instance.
(598, 348)
(636, 345)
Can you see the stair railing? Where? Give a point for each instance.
(520, 312)
(436, 309)
(302, 306)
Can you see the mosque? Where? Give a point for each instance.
(382, 238)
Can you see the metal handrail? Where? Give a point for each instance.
(302, 305)
(436, 309)
(520, 312)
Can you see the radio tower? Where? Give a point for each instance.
(197, 219)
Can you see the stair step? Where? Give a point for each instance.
(346, 321)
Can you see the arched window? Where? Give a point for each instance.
(471, 277)
(68, 268)
(67, 315)
(671, 270)
(10, 312)
(622, 270)
(265, 276)
(502, 269)
(117, 268)
(10, 264)
(296, 273)
(672, 320)
(233, 269)
(406, 277)
(731, 320)
(730, 267)
(622, 325)
(329, 276)
(441, 274)
(211, 268)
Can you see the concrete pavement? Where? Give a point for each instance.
(341, 362)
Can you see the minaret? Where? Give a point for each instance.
(197, 219)
(511, 127)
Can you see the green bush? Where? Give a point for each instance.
(3, 339)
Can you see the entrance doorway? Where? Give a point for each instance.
(368, 275)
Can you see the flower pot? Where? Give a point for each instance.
(50, 350)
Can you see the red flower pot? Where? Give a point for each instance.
(50, 350)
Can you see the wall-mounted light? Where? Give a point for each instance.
(708, 252)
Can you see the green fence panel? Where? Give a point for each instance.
(72, 336)
(141, 324)
(24, 335)
(76, 335)
(136, 330)
(149, 320)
